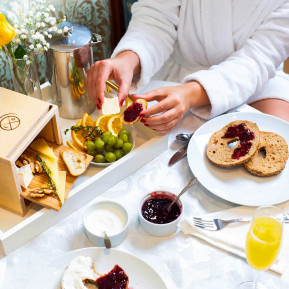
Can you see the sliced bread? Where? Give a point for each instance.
(242, 132)
(76, 162)
(270, 157)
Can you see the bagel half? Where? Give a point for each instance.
(270, 157)
(131, 114)
(220, 153)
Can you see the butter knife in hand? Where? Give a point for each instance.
(178, 155)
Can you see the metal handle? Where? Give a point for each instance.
(191, 183)
(96, 38)
(107, 242)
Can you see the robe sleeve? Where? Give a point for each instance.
(151, 35)
(245, 73)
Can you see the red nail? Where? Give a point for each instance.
(146, 124)
(142, 120)
(133, 95)
(98, 106)
(121, 102)
(142, 115)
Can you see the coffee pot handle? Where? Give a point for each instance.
(95, 38)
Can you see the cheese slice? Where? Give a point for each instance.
(62, 180)
(110, 105)
(25, 176)
(41, 146)
(52, 165)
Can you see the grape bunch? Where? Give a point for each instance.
(108, 148)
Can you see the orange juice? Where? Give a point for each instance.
(263, 242)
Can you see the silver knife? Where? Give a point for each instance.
(178, 155)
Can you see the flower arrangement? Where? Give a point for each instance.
(27, 34)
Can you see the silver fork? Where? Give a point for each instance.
(219, 224)
(216, 224)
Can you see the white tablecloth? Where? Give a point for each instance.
(184, 262)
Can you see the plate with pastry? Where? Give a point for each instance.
(97, 268)
(242, 158)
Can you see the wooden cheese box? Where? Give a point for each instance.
(22, 119)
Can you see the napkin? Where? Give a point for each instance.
(232, 238)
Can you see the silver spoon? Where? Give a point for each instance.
(184, 137)
(107, 242)
(191, 183)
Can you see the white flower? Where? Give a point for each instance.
(46, 15)
(38, 45)
(15, 26)
(65, 29)
(25, 57)
(17, 41)
(23, 30)
(38, 15)
(49, 36)
(27, 62)
(17, 31)
(31, 46)
(55, 28)
(47, 45)
(33, 3)
(38, 25)
(51, 7)
(45, 33)
(59, 31)
(32, 32)
(50, 29)
(23, 36)
(45, 48)
(30, 13)
(42, 24)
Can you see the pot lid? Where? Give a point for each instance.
(73, 36)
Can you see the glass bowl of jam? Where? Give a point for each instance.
(154, 215)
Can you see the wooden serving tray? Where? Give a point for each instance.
(51, 201)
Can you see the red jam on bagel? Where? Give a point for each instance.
(132, 114)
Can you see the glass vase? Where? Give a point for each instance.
(24, 76)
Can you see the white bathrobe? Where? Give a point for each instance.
(231, 47)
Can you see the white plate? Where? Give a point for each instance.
(235, 184)
(141, 275)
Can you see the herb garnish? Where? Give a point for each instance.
(48, 172)
(88, 132)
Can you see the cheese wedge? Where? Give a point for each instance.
(52, 165)
(62, 180)
(41, 146)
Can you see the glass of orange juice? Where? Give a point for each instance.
(263, 242)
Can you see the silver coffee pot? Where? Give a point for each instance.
(68, 60)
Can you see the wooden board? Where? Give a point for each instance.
(50, 201)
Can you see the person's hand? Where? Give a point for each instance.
(173, 103)
(120, 69)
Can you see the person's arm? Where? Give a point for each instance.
(151, 35)
(245, 73)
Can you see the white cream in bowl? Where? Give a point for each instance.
(109, 217)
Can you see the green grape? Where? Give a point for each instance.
(124, 131)
(106, 133)
(119, 143)
(109, 148)
(91, 152)
(105, 138)
(90, 145)
(99, 158)
(100, 151)
(127, 147)
(110, 157)
(124, 137)
(111, 140)
(97, 138)
(118, 153)
(99, 144)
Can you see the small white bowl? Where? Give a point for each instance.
(159, 230)
(106, 216)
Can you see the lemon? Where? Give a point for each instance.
(87, 120)
(102, 120)
(74, 146)
(78, 138)
(114, 124)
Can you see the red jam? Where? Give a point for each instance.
(155, 210)
(115, 279)
(244, 135)
(132, 112)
